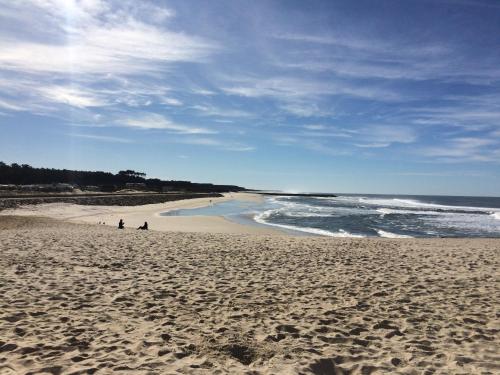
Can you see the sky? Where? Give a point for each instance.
(386, 96)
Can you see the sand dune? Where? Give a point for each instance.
(92, 299)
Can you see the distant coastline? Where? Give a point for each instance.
(320, 195)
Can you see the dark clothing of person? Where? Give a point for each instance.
(145, 226)
(121, 224)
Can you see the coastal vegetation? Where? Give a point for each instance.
(24, 174)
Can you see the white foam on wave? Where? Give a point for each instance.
(383, 233)
(304, 214)
(303, 206)
(387, 211)
(261, 218)
(296, 209)
(411, 203)
(405, 206)
(467, 223)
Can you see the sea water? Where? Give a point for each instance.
(394, 216)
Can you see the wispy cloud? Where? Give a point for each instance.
(72, 96)
(87, 43)
(292, 88)
(465, 149)
(102, 138)
(88, 54)
(315, 127)
(157, 121)
(348, 41)
(171, 101)
(470, 113)
(209, 110)
(10, 106)
(372, 136)
(354, 55)
(324, 148)
(304, 109)
(217, 143)
(304, 97)
(326, 131)
(379, 136)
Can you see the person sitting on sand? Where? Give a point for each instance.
(144, 227)
(121, 224)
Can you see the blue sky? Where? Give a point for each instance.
(387, 96)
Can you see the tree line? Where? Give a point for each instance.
(24, 174)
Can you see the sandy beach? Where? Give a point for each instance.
(134, 216)
(83, 299)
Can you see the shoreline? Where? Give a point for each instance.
(134, 216)
(208, 222)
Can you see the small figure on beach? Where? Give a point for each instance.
(144, 227)
(121, 224)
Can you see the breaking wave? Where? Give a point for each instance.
(383, 233)
(261, 218)
(385, 216)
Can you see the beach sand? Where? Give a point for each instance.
(80, 298)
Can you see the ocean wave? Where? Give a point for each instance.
(464, 222)
(398, 202)
(304, 214)
(402, 203)
(325, 216)
(389, 211)
(296, 209)
(406, 206)
(298, 206)
(421, 206)
(261, 218)
(383, 233)
(322, 211)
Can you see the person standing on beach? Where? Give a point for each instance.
(121, 224)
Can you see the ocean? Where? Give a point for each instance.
(353, 215)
